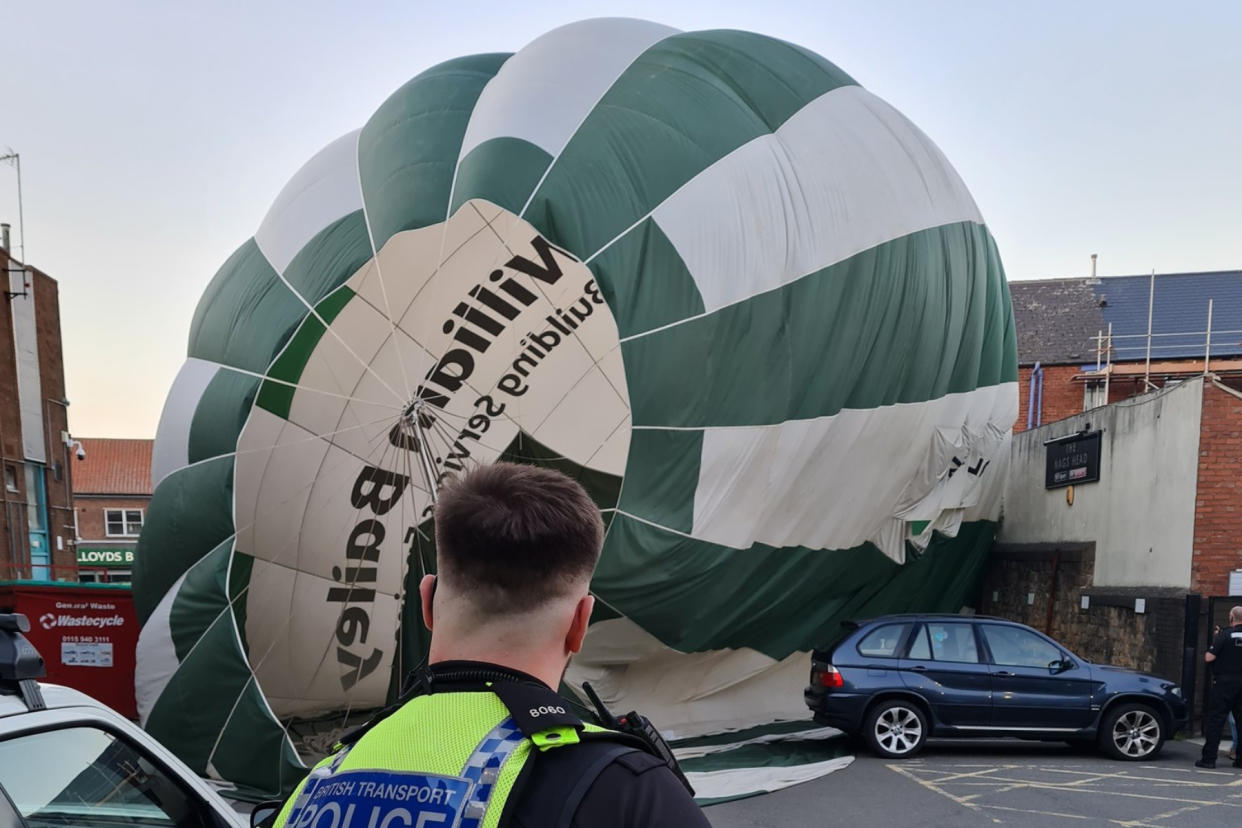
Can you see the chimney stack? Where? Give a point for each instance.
(4, 236)
(1093, 257)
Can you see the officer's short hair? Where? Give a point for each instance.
(516, 535)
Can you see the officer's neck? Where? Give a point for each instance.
(546, 665)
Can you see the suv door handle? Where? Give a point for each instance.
(1005, 673)
(918, 667)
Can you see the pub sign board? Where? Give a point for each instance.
(1072, 460)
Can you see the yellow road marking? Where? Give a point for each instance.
(931, 787)
(987, 770)
(1190, 783)
(1003, 780)
(1034, 811)
(1143, 823)
(1048, 786)
(989, 780)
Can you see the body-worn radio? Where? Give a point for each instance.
(639, 726)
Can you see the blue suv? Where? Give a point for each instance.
(897, 680)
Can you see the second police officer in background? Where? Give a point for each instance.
(1225, 658)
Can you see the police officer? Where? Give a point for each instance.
(481, 738)
(1225, 656)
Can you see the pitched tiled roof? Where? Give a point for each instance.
(113, 467)
(1179, 314)
(1057, 319)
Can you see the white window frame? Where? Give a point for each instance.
(10, 477)
(142, 520)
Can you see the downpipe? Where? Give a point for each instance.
(1036, 377)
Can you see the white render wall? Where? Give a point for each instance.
(1141, 515)
(26, 347)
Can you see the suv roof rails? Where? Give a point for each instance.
(20, 663)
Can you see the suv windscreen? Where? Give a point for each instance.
(86, 776)
(883, 641)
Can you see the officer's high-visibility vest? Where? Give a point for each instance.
(437, 759)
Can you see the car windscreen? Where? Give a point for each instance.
(87, 776)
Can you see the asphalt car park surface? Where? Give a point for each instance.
(1011, 782)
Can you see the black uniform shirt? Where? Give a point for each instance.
(1228, 651)
(636, 791)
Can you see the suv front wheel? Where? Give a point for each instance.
(1132, 732)
(895, 729)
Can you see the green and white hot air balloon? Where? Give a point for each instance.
(742, 299)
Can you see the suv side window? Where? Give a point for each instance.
(1016, 647)
(83, 775)
(953, 642)
(883, 641)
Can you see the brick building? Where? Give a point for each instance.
(1068, 365)
(1125, 568)
(1064, 342)
(111, 492)
(36, 522)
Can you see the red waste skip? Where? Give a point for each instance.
(87, 634)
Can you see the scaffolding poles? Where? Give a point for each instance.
(1179, 346)
(1207, 348)
(1108, 355)
(1151, 303)
(1104, 359)
(1207, 343)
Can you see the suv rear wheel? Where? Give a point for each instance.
(1132, 732)
(895, 729)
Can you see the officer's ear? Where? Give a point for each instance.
(427, 591)
(578, 627)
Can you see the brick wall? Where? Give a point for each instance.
(1062, 395)
(91, 514)
(1218, 503)
(14, 537)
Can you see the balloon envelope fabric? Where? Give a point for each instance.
(749, 305)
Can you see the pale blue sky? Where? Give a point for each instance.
(155, 135)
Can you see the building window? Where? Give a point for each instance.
(1093, 395)
(10, 477)
(104, 576)
(122, 523)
